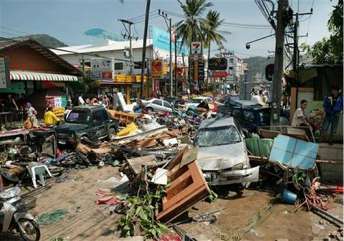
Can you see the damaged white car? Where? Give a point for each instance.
(222, 154)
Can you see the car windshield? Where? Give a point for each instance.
(78, 116)
(218, 136)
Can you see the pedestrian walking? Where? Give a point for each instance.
(31, 114)
(333, 106)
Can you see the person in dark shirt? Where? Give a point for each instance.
(333, 106)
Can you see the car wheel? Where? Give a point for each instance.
(150, 109)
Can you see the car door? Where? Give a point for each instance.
(166, 106)
(157, 105)
(100, 122)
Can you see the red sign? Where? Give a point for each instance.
(106, 75)
(219, 74)
(156, 68)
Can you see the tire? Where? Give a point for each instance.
(28, 227)
(150, 109)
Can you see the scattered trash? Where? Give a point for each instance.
(288, 196)
(52, 217)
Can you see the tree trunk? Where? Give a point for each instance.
(208, 71)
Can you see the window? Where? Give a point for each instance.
(157, 102)
(218, 136)
(236, 113)
(138, 64)
(100, 116)
(248, 116)
(166, 104)
(78, 116)
(118, 66)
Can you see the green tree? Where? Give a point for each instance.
(189, 29)
(210, 29)
(329, 50)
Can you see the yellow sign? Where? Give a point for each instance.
(128, 79)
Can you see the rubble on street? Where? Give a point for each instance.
(200, 130)
(160, 169)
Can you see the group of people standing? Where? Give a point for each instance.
(260, 96)
(107, 100)
(333, 107)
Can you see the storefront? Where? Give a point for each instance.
(37, 73)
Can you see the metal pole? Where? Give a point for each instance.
(296, 46)
(144, 46)
(130, 50)
(278, 67)
(175, 62)
(171, 68)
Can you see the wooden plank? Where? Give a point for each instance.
(137, 163)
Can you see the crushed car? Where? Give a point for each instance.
(222, 154)
(90, 122)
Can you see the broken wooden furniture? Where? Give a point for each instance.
(187, 186)
(122, 117)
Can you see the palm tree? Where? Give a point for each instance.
(189, 29)
(211, 33)
(210, 28)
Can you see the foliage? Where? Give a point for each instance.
(210, 28)
(189, 29)
(140, 215)
(329, 50)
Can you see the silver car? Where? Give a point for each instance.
(222, 153)
(157, 105)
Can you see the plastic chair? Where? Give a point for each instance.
(38, 170)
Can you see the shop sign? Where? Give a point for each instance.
(196, 47)
(219, 74)
(107, 75)
(157, 68)
(4, 74)
(161, 40)
(217, 64)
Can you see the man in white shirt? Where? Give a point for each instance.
(81, 100)
(299, 117)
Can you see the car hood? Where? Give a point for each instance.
(66, 127)
(221, 157)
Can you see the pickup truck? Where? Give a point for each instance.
(92, 122)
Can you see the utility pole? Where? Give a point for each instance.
(129, 37)
(175, 62)
(171, 68)
(296, 45)
(144, 46)
(169, 26)
(278, 67)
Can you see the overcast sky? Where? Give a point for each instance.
(67, 20)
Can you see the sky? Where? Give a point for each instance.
(67, 20)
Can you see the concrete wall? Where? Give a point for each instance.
(331, 173)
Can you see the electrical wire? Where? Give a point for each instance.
(310, 20)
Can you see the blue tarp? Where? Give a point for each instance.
(293, 152)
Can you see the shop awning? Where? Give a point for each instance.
(39, 76)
